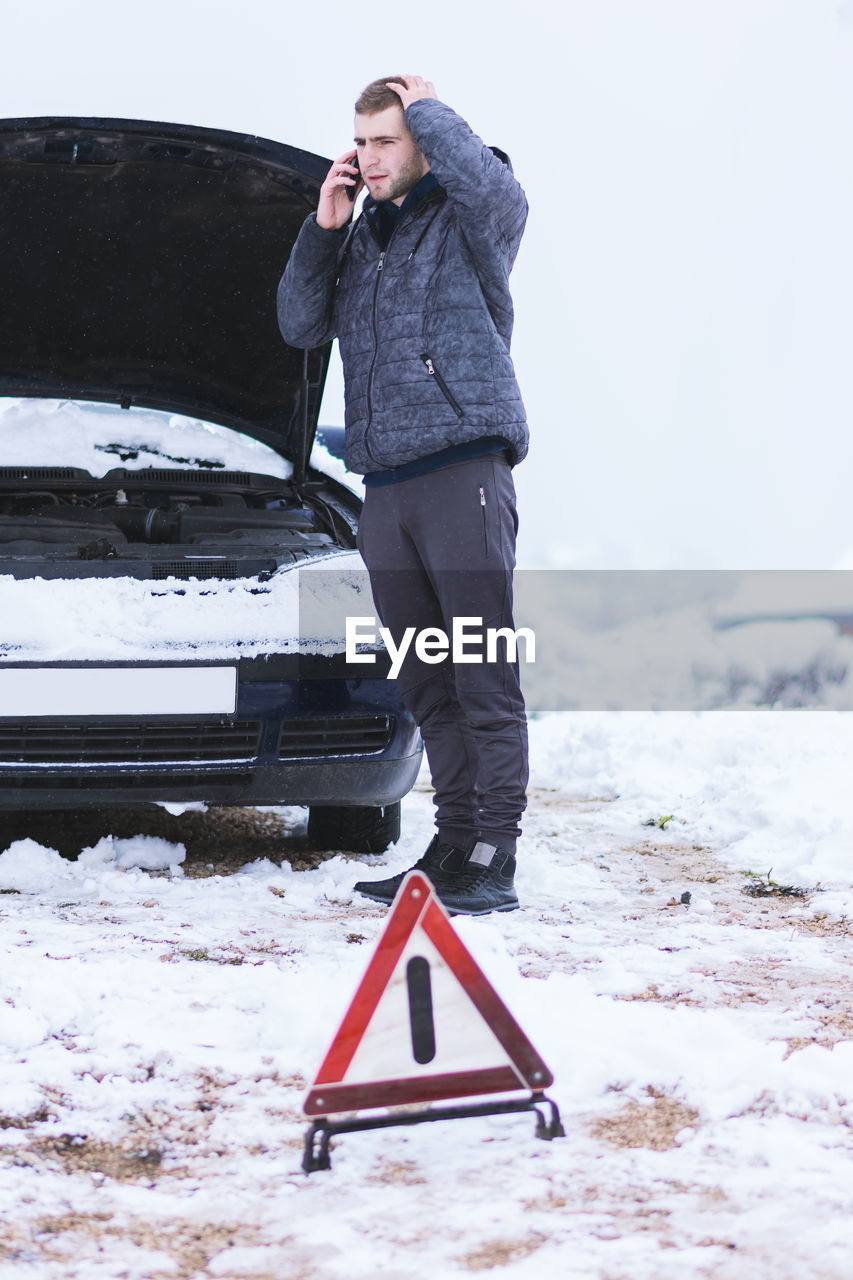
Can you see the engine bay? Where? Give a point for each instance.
(140, 516)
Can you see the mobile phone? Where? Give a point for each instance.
(352, 190)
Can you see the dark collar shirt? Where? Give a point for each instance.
(383, 215)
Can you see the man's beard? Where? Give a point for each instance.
(403, 183)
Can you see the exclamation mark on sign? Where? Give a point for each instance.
(420, 1009)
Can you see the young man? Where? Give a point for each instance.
(417, 294)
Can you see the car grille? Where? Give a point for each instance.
(205, 477)
(187, 569)
(124, 743)
(43, 473)
(334, 736)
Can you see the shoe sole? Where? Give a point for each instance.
(487, 911)
(374, 897)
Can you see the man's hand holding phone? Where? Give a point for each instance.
(342, 185)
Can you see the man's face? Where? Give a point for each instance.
(390, 161)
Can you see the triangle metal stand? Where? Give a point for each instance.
(317, 1155)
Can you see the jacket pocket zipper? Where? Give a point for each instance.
(445, 389)
(485, 527)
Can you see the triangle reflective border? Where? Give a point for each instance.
(425, 1023)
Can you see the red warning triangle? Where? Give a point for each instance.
(425, 1023)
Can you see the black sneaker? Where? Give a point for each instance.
(485, 884)
(441, 863)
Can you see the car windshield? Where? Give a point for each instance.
(98, 437)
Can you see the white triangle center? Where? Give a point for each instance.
(463, 1040)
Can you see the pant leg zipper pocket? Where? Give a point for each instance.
(443, 387)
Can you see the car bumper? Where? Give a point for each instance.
(302, 732)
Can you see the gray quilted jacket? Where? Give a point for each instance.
(424, 328)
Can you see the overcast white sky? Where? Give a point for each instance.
(683, 293)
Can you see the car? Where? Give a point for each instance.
(160, 511)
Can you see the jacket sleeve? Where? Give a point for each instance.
(489, 200)
(306, 291)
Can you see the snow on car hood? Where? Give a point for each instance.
(123, 619)
(100, 437)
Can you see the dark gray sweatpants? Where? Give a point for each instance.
(440, 546)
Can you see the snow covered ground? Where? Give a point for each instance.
(164, 1007)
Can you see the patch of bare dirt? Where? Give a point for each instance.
(24, 1122)
(835, 1023)
(822, 925)
(401, 1171)
(190, 1244)
(219, 841)
(138, 1155)
(680, 867)
(553, 798)
(125, 1161)
(669, 998)
(500, 1253)
(654, 1124)
(827, 997)
(153, 1146)
(636, 1198)
(671, 872)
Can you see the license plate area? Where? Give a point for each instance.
(117, 691)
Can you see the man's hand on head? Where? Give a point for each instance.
(412, 89)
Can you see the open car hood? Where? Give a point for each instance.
(140, 263)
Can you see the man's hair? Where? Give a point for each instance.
(378, 97)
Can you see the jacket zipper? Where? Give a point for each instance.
(485, 529)
(372, 368)
(370, 372)
(445, 389)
